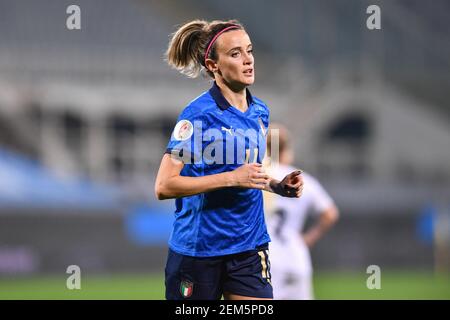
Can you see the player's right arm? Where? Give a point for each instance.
(170, 184)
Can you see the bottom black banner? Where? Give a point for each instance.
(275, 309)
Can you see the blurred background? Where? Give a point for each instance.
(85, 116)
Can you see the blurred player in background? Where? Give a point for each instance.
(219, 243)
(289, 250)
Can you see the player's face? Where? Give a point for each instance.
(235, 62)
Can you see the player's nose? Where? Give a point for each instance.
(248, 59)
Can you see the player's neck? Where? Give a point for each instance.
(286, 158)
(236, 97)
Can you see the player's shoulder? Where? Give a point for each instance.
(200, 106)
(281, 170)
(310, 182)
(260, 104)
(308, 177)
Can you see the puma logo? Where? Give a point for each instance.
(230, 130)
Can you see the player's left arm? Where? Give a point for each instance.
(291, 186)
(327, 218)
(324, 206)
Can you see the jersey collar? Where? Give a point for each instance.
(220, 99)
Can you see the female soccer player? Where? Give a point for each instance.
(212, 166)
(292, 279)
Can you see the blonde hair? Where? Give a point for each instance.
(187, 46)
(282, 136)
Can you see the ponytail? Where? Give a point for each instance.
(188, 45)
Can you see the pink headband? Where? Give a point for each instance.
(216, 36)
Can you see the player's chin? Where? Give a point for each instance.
(248, 80)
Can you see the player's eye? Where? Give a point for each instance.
(250, 51)
(235, 54)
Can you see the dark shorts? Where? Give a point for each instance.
(246, 274)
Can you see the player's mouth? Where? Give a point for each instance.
(248, 72)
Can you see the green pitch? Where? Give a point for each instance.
(394, 285)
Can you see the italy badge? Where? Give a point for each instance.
(186, 288)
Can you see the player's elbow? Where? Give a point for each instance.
(159, 194)
(161, 191)
(333, 215)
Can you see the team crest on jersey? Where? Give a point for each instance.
(186, 288)
(183, 130)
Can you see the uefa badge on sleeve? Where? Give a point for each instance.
(183, 130)
(186, 288)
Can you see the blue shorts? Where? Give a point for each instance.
(194, 278)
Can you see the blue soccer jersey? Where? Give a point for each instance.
(211, 137)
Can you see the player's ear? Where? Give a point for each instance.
(211, 65)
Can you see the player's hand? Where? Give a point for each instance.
(308, 239)
(292, 185)
(250, 176)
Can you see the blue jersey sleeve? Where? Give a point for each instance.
(265, 114)
(186, 139)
